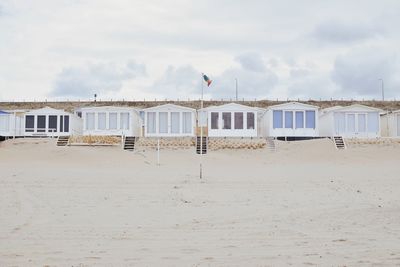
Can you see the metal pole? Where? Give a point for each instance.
(383, 91)
(201, 129)
(236, 89)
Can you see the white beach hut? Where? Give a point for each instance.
(390, 124)
(292, 119)
(110, 121)
(11, 123)
(230, 120)
(47, 122)
(355, 121)
(169, 120)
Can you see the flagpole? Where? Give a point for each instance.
(201, 128)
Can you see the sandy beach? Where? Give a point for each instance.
(305, 204)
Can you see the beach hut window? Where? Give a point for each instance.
(310, 119)
(239, 120)
(277, 119)
(4, 122)
(112, 120)
(214, 120)
(124, 121)
(373, 122)
(89, 121)
(163, 122)
(29, 123)
(41, 124)
(362, 127)
(175, 121)
(79, 114)
(289, 119)
(299, 119)
(187, 122)
(66, 124)
(52, 123)
(351, 123)
(101, 121)
(250, 121)
(226, 121)
(151, 122)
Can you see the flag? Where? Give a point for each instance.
(207, 80)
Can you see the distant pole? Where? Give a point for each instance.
(236, 81)
(201, 128)
(382, 87)
(95, 96)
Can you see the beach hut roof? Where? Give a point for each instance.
(171, 106)
(231, 106)
(3, 112)
(47, 110)
(331, 108)
(352, 107)
(98, 108)
(298, 104)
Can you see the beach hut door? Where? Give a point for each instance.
(362, 124)
(351, 124)
(340, 123)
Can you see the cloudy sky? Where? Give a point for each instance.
(71, 49)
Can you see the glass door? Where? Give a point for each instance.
(351, 123)
(175, 122)
(340, 123)
(362, 123)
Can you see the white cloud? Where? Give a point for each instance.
(357, 72)
(178, 82)
(339, 32)
(251, 62)
(45, 46)
(95, 78)
(251, 84)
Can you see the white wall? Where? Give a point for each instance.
(337, 123)
(168, 109)
(75, 123)
(11, 125)
(232, 132)
(326, 124)
(232, 108)
(263, 125)
(390, 125)
(294, 131)
(133, 127)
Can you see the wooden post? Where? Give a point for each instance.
(158, 152)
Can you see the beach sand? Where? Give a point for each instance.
(305, 204)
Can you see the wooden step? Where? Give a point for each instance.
(271, 143)
(62, 140)
(129, 143)
(339, 142)
(201, 145)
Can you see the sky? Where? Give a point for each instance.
(134, 50)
